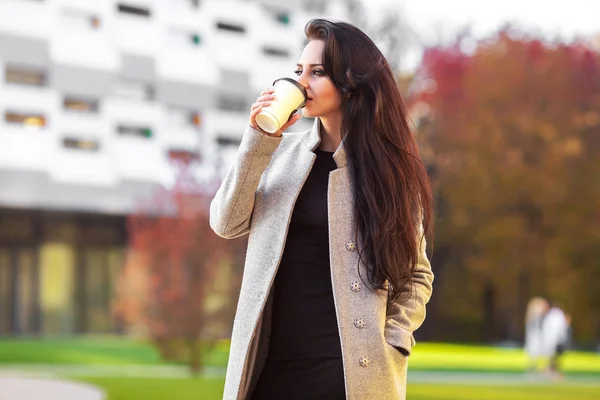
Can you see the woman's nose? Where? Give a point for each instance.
(302, 80)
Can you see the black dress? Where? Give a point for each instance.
(304, 361)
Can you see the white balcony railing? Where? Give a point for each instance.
(27, 124)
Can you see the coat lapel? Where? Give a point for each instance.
(313, 139)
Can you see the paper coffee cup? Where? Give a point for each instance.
(289, 97)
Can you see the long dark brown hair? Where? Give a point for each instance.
(392, 190)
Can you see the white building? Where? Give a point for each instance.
(96, 98)
(97, 95)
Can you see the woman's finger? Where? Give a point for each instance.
(260, 104)
(268, 91)
(292, 121)
(266, 97)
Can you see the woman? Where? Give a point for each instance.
(534, 316)
(336, 276)
(555, 337)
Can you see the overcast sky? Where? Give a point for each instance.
(434, 20)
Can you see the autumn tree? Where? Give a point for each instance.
(180, 281)
(510, 131)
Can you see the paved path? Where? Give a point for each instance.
(12, 388)
(131, 371)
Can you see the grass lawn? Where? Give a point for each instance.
(212, 389)
(91, 351)
(462, 392)
(159, 389)
(115, 351)
(442, 357)
(120, 351)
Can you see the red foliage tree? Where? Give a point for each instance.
(180, 280)
(511, 134)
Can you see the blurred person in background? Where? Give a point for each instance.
(534, 317)
(336, 277)
(555, 338)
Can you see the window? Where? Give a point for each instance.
(24, 76)
(277, 13)
(132, 89)
(227, 141)
(32, 120)
(184, 38)
(95, 22)
(182, 156)
(76, 104)
(18, 283)
(186, 4)
(283, 18)
(139, 131)
(231, 103)
(88, 145)
(79, 19)
(133, 10)
(180, 117)
(275, 52)
(230, 27)
(196, 119)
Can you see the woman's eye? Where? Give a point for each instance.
(319, 72)
(298, 72)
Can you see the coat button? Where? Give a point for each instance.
(360, 323)
(350, 246)
(364, 362)
(355, 286)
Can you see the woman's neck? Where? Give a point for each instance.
(331, 132)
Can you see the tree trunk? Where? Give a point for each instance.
(523, 298)
(196, 357)
(488, 313)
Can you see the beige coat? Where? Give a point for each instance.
(257, 197)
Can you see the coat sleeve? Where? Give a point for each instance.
(231, 208)
(404, 317)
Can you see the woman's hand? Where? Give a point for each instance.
(264, 100)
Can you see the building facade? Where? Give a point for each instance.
(97, 98)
